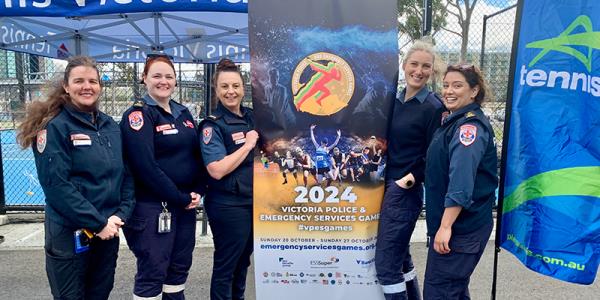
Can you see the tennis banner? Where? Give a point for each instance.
(323, 82)
(551, 206)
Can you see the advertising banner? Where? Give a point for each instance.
(323, 81)
(551, 207)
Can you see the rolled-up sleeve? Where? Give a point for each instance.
(212, 145)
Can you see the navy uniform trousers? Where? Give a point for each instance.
(163, 259)
(86, 275)
(447, 275)
(399, 213)
(232, 234)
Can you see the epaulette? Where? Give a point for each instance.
(212, 117)
(138, 103)
(469, 115)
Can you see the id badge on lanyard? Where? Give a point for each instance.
(164, 220)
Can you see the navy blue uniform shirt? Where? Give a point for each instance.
(222, 134)
(462, 171)
(410, 131)
(80, 168)
(163, 152)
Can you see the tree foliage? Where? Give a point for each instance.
(410, 17)
(462, 10)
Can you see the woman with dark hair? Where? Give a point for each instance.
(460, 186)
(162, 149)
(89, 194)
(415, 117)
(228, 139)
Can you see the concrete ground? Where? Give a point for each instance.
(22, 273)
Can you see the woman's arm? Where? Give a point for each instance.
(222, 167)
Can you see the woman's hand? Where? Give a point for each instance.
(251, 139)
(109, 231)
(117, 221)
(406, 182)
(195, 201)
(441, 243)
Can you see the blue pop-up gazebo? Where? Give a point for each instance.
(196, 31)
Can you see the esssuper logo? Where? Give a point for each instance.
(325, 263)
(567, 43)
(322, 84)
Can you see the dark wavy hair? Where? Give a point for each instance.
(474, 78)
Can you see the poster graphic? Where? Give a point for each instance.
(323, 81)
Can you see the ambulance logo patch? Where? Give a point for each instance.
(41, 141)
(136, 120)
(207, 135)
(468, 133)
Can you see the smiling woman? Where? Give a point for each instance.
(461, 168)
(83, 87)
(89, 195)
(162, 149)
(416, 115)
(227, 144)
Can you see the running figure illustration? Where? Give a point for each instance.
(324, 75)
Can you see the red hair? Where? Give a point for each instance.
(151, 59)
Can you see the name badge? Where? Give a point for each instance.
(170, 131)
(82, 142)
(164, 127)
(80, 139)
(238, 138)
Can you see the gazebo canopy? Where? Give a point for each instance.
(197, 31)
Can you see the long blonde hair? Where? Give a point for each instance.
(39, 113)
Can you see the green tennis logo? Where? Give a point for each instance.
(566, 42)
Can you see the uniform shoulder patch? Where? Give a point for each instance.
(136, 120)
(41, 140)
(468, 134)
(207, 134)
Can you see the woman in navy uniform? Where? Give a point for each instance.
(227, 143)
(89, 194)
(416, 115)
(162, 149)
(460, 186)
